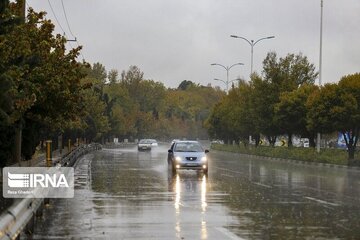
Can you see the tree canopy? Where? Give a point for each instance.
(285, 101)
(41, 78)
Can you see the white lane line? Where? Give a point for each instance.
(263, 185)
(228, 170)
(323, 202)
(229, 234)
(227, 175)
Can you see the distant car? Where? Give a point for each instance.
(154, 143)
(187, 155)
(144, 144)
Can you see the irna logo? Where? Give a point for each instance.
(38, 182)
(18, 180)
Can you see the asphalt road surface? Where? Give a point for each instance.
(126, 194)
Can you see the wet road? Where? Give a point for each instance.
(126, 194)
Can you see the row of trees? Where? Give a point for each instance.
(39, 80)
(129, 106)
(47, 92)
(285, 101)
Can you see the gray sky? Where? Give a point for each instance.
(174, 40)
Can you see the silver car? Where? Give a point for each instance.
(187, 155)
(144, 144)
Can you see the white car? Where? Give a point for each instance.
(154, 143)
(187, 155)
(144, 144)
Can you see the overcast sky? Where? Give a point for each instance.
(176, 40)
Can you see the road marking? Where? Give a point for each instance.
(323, 202)
(227, 175)
(263, 185)
(229, 234)
(228, 170)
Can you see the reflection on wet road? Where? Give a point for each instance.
(126, 194)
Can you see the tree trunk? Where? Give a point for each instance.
(312, 141)
(290, 144)
(272, 140)
(351, 141)
(351, 152)
(257, 139)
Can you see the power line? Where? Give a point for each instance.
(68, 25)
(56, 19)
(67, 21)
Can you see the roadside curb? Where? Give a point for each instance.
(328, 165)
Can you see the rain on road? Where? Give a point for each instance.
(125, 194)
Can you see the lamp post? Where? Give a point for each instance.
(320, 65)
(226, 82)
(227, 68)
(252, 44)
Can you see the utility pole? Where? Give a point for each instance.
(318, 140)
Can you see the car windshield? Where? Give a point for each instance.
(145, 141)
(188, 147)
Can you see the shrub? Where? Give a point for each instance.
(327, 155)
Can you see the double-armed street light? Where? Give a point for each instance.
(252, 44)
(227, 68)
(227, 82)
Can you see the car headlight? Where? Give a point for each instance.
(203, 159)
(178, 159)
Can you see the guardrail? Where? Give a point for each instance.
(18, 217)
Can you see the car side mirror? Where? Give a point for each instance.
(170, 151)
(206, 151)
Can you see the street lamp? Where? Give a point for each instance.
(227, 82)
(320, 65)
(252, 44)
(227, 68)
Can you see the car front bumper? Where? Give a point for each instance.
(144, 147)
(195, 166)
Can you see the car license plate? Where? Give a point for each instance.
(191, 164)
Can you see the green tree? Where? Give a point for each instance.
(46, 79)
(335, 107)
(350, 124)
(131, 79)
(95, 120)
(121, 110)
(185, 85)
(98, 71)
(289, 72)
(216, 123)
(264, 96)
(279, 76)
(247, 115)
(291, 111)
(7, 22)
(113, 76)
